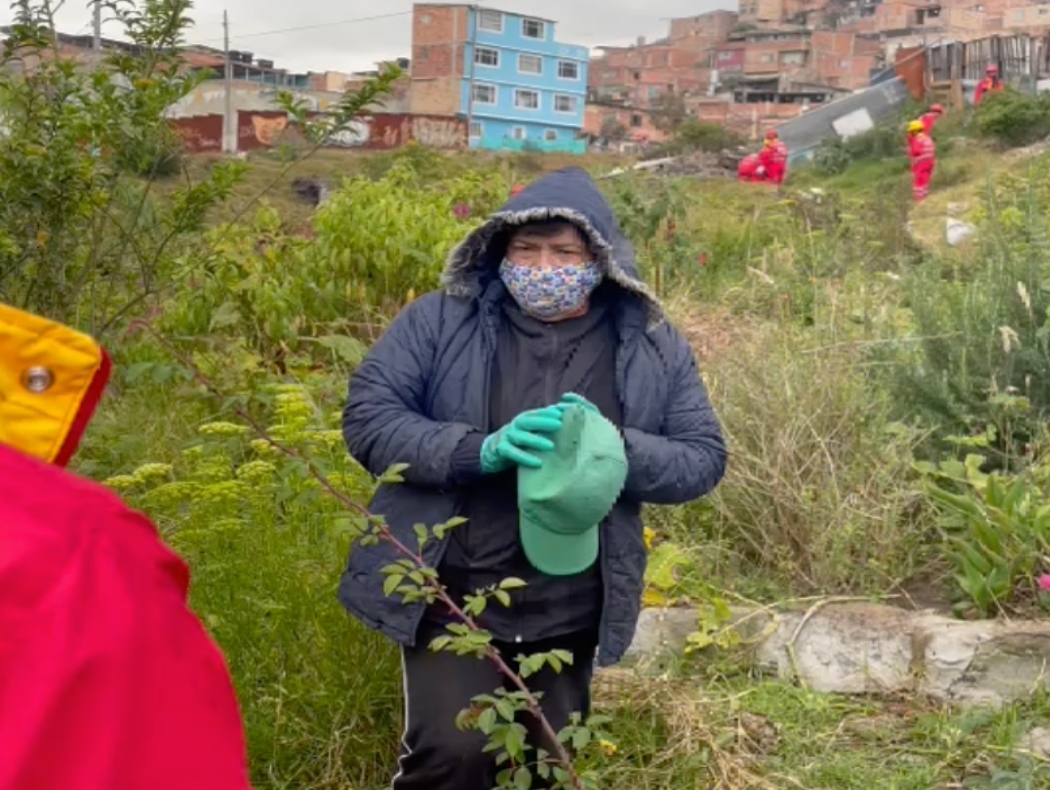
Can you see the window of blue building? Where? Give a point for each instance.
(525, 99)
(491, 21)
(484, 93)
(568, 70)
(533, 28)
(486, 56)
(563, 103)
(529, 64)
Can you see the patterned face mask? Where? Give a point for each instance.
(552, 291)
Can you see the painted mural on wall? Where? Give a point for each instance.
(266, 129)
(202, 134)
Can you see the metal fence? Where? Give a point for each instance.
(1021, 59)
(880, 102)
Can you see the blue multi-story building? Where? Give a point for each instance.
(518, 87)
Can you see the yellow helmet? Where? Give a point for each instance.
(915, 126)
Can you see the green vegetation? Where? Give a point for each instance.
(854, 369)
(1013, 119)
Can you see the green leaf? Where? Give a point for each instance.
(487, 720)
(348, 349)
(563, 655)
(505, 708)
(391, 583)
(503, 597)
(664, 562)
(393, 475)
(225, 316)
(523, 779)
(439, 643)
(512, 583)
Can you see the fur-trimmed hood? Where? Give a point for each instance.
(568, 194)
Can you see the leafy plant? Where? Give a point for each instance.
(376, 246)
(81, 238)
(985, 358)
(997, 530)
(693, 135)
(1012, 118)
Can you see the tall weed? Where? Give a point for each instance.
(818, 488)
(319, 692)
(376, 246)
(984, 324)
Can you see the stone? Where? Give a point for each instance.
(863, 647)
(956, 231)
(1038, 742)
(851, 648)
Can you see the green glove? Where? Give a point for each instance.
(509, 446)
(572, 399)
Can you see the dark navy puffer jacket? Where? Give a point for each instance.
(424, 387)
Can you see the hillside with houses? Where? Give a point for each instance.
(499, 80)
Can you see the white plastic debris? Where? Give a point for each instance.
(957, 231)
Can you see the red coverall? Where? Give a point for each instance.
(747, 170)
(929, 119)
(107, 679)
(774, 157)
(922, 153)
(987, 85)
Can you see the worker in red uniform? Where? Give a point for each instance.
(516, 190)
(774, 158)
(990, 84)
(750, 170)
(107, 679)
(930, 117)
(922, 152)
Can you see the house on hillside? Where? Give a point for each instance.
(506, 73)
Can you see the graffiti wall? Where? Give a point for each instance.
(202, 134)
(269, 128)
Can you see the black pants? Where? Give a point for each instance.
(435, 754)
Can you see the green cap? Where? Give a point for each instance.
(562, 504)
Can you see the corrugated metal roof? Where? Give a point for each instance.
(802, 135)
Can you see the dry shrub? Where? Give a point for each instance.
(819, 489)
(724, 750)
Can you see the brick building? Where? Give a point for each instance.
(702, 32)
(801, 55)
(642, 74)
(440, 35)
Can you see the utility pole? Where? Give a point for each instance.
(229, 124)
(96, 44)
(473, 61)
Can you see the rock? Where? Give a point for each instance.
(956, 231)
(311, 191)
(860, 647)
(850, 648)
(1038, 742)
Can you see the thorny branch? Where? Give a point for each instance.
(383, 532)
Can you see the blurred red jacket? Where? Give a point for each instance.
(107, 679)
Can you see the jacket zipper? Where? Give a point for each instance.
(486, 415)
(621, 376)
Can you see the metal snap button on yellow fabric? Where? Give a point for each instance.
(37, 379)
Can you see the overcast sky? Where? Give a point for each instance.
(337, 35)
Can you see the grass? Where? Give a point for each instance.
(736, 732)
